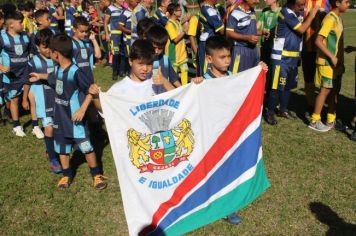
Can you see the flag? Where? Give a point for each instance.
(190, 156)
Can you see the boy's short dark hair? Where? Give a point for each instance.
(157, 35)
(7, 7)
(172, 7)
(1, 15)
(39, 13)
(291, 3)
(43, 37)
(26, 6)
(216, 43)
(14, 15)
(142, 50)
(62, 43)
(143, 26)
(80, 20)
(333, 2)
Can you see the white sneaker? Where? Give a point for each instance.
(18, 131)
(37, 132)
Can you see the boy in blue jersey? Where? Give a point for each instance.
(285, 57)
(159, 37)
(15, 47)
(56, 13)
(125, 28)
(71, 102)
(43, 21)
(84, 50)
(160, 15)
(141, 11)
(211, 24)
(71, 13)
(43, 94)
(113, 34)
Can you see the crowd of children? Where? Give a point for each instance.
(49, 50)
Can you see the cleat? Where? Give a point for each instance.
(64, 182)
(233, 219)
(318, 126)
(287, 115)
(36, 131)
(55, 167)
(270, 119)
(99, 183)
(18, 131)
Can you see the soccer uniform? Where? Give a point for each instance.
(43, 93)
(139, 13)
(211, 23)
(177, 53)
(71, 86)
(71, 13)
(14, 52)
(125, 20)
(160, 18)
(54, 22)
(244, 54)
(83, 57)
(167, 70)
(331, 30)
(115, 34)
(209, 75)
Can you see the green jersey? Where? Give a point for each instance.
(268, 20)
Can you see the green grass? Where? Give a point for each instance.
(312, 176)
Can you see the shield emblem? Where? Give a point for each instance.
(84, 53)
(163, 147)
(18, 49)
(59, 87)
(50, 70)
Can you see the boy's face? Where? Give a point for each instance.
(270, 2)
(343, 5)
(54, 2)
(252, 3)
(133, 3)
(220, 59)
(299, 6)
(158, 49)
(81, 32)
(178, 12)
(54, 55)
(140, 69)
(44, 21)
(91, 9)
(15, 25)
(44, 50)
(166, 3)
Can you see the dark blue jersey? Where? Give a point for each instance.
(125, 20)
(242, 22)
(114, 12)
(210, 20)
(71, 86)
(160, 18)
(42, 90)
(71, 13)
(54, 22)
(83, 56)
(15, 51)
(166, 68)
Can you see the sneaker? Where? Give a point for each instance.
(18, 131)
(318, 126)
(233, 219)
(353, 136)
(64, 182)
(99, 183)
(270, 119)
(337, 125)
(55, 167)
(37, 132)
(287, 115)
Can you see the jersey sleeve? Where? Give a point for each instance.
(231, 22)
(213, 18)
(326, 26)
(140, 15)
(172, 32)
(193, 26)
(262, 18)
(82, 81)
(107, 12)
(291, 20)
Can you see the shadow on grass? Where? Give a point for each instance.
(99, 140)
(337, 225)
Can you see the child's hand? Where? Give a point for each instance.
(198, 80)
(253, 39)
(158, 78)
(94, 90)
(264, 66)
(4, 69)
(34, 77)
(334, 61)
(266, 34)
(349, 49)
(78, 116)
(92, 36)
(25, 104)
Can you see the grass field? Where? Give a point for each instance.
(312, 176)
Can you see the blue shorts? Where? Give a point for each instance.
(115, 41)
(243, 58)
(283, 77)
(12, 90)
(47, 121)
(44, 100)
(63, 145)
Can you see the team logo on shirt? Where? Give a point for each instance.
(84, 53)
(162, 149)
(18, 49)
(59, 87)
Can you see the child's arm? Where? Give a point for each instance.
(94, 91)
(34, 77)
(4, 69)
(106, 27)
(97, 51)
(306, 24)
(349, 49)
(237, 36)
(25, 103)
(173, 34)
(319, 43)
(159, 79)
(80, 113)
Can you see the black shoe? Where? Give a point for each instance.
(287, 115)
(270, 119)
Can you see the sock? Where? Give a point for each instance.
(95, 171)
(331, 117)
(68, 172)
(16, 123)
(315, 117)
(52, 155)
(34, 123)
